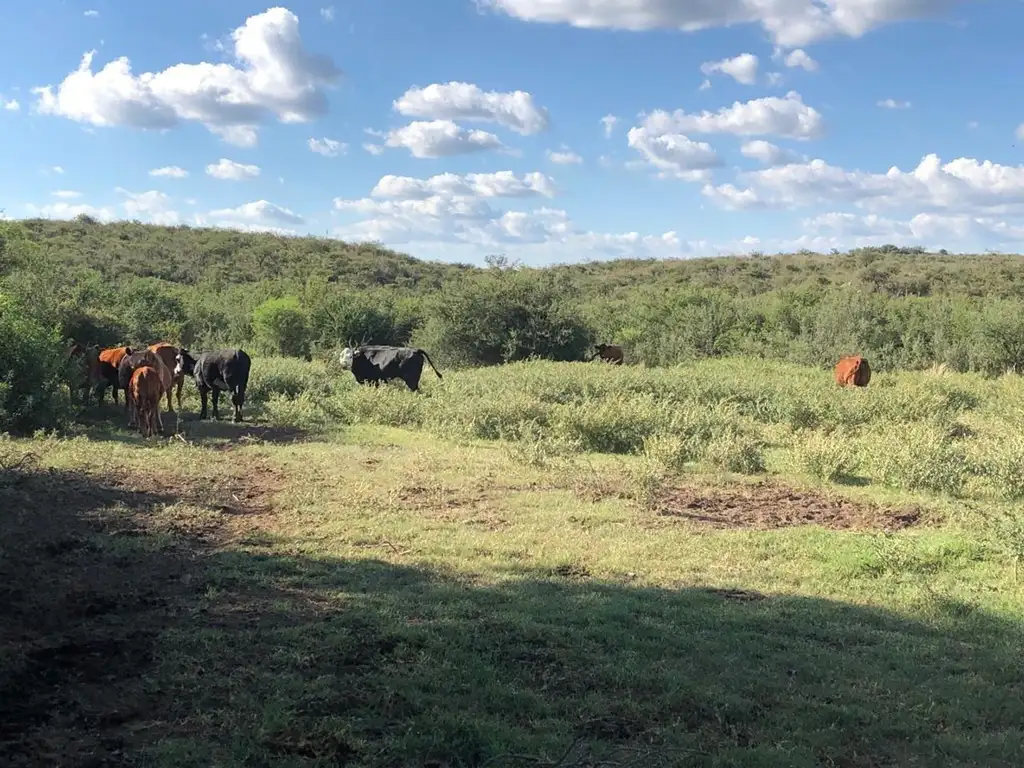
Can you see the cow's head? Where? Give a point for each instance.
(346, 358)
(600, 348)
(184, 363)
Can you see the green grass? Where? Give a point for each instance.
(539, 564)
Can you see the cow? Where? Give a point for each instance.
(852, 370)
(127, 369)
(105, 372)
(375, 364)
(145, 388)
(609, 353)
(222, 370)
(82, 364)
(168, 353)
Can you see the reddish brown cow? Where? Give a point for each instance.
(128, 367)
(853, 371)
(169, 354)
(609, 353)
(105, 371)
(145, 390)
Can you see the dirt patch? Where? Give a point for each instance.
(741, 595)
(766, 506)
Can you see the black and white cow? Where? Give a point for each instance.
(375, 364)
(224, 370)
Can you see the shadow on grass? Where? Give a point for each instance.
(111, 424)
(124, 643)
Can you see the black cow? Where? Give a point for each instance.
(375, 364)
(223, 370)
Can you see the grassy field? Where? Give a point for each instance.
(724, 564)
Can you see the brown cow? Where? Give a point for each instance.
(853, 370)
(127, 368)
(609, 353)
(145, 389)
(169, 354)
(105, 371)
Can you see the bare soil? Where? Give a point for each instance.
(767, 506)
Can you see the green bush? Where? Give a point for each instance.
(280, 327)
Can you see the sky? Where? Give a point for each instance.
(550, 131)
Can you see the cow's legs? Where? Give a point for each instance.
(181, 384)
(203, 392)
(216, 400)
(238, 399)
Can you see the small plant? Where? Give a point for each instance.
(826, 457)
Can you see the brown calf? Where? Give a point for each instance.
(168, 353)
(609, 353)
(128, 367)
(853, 371)
(145, 390)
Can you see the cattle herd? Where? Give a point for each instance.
(147, 375)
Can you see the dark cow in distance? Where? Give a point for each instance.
(104, 373)
(223, 370)
(852, 371)
(609, 353)
(375, 364)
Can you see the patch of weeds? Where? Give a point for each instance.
(826, 457)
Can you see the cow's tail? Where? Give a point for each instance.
(424, 353)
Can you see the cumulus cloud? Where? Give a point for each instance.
(457, 211)
(497, 184)
(564, 156)
(152, 206)
(229, 170)
(327, 147)
(661, 144)
(893, 104)
(800, 58)
(767, 153)
(169, 172)
(439, 138)
(515, 110)
(609, 122)
(277, 77)
(787, 117)
(64, 210)
(257, 216)
(964, 185)
(11, 105)
(66, 194)
(327, 14)
(742, 68)
(789, 23)
(91, 14)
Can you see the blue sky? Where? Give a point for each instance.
(458, 128)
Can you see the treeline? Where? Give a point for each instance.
(133, 283)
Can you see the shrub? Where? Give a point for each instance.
(280, 327)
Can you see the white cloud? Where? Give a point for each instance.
(257, 216)
(69, 211)
(277, 78)
(893, 104)
(327, 13)
(497, 184)
(662, 145)
(374, 149)
(934, 230)
(788, 22)
(440, 138)
(609, 122)
(327, 147)
(229, 170)
(515, 110)
(787, 117)
(152, 206)
(564, 156)
(768, 153)
(91, 14)
(800, 58)
(704, 86)
(56, 169)
(169, 172)
(742, 68)
(12, 105)
(1019, 133)
(66, 194)
(964, 185)
(774, 78)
